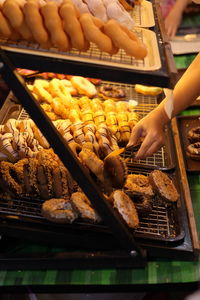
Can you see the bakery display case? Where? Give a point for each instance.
(165, 230)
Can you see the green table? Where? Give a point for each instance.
(158, 273)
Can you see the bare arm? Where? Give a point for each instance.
(151, 127)
(173, 19)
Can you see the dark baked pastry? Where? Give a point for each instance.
(126, 208)
(194, 135)
(111, 92)
(193, 151)
(115, 171)
(137, 184)
(163, 186)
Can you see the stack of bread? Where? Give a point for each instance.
(62, 24)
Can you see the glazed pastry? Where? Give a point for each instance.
(193, 151)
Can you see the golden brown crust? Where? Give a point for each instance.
(58, 210)
(115, 171)
(163, 186)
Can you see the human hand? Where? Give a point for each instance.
(151, 130)
(172, 22)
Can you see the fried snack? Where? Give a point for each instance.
(163, 186)
(125, 39)
(30, 177)
(66, 85)
(82, 7)
(58, 90)
(143, 204)
(125, 130)
(193, 151)
(60, 182)
(12, 126)
(13, 13)
(115, 171)
(194, 134)
(5, 29)
(126, 208)
(104, 140)
(133, 118)
(9, 181)
(138, 185)
(89, 131)
(77, 130)
(34, 21)
(59, 109)
(94, 34)
(99, 117)
(58, 211)
(84, 208)
(54, 26)
(83, 86)
(92, 162)
(40, 87)
(109, 106)
(40, 137)
(111, 92)
(148, 90)
(72, 27)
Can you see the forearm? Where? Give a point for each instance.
(180, 5)
(185, 92)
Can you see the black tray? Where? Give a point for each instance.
(185, 123)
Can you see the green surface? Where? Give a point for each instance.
(156, 272)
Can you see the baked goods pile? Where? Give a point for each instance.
(87, 119)
(71, 24)
(193, 149)
(62, 201)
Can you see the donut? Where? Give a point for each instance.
(163, 186)
(193, 151)
(123, 38)
(94, 34)
(111, 92)
(125, 207)
(54, 26)
(40, 89)
(83, 86)
(115, 171)
(194, 134)
(34, 21)
(84, 208)
(58, 211)
(72, 27)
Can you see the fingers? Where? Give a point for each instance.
(148, 147)
(136, 133)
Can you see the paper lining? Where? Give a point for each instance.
(169, 104)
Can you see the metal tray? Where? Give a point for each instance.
(142, 14)
(185, 123)
(164, 224)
